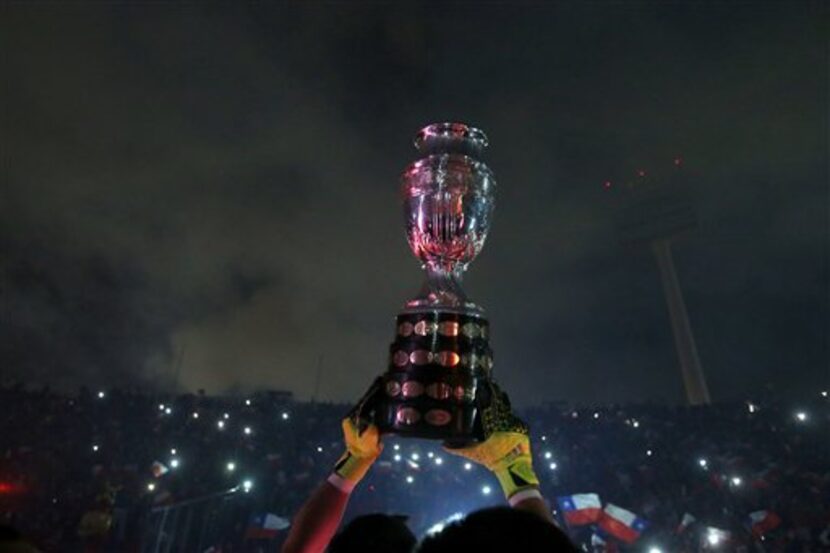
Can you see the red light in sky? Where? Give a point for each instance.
(678, 161)
(606, 184)
(5, 487)
(641, 173)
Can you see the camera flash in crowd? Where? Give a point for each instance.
(548, 455)
(247, 430)
(319, 449)
(231, 466)
(151, 487)
(161, 407)
(101, 395)
(736, 481)
(396, 447)
(801, 416)
(410, 479)
(247, 485)
(703, 463)
(468, 466)
(649, 452)
(173, 451)
(168, 411)
(439, 461)
(486, 490)
(195, 415)
(220, 424)
(553, 466)
(95, 447)
(824, 393)
(655, 550)
(415, 456)
(174, 463)
(285, 415)
(248, 402)
(397, 458)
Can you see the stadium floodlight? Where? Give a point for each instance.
(247, 485)
(410, 479)
(485, 490)
(101, 394)
(801, 416)
(231, 466)
(151, 487)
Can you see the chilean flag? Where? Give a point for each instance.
(580, 509)
(761, 522)
(265, 526)
(621, 524)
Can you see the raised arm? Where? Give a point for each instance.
(319, 518)
(506, 453)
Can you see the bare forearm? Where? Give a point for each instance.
(537, 506)
(317, 521)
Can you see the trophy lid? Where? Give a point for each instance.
(451, 138)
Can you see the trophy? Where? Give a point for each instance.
(440, 360)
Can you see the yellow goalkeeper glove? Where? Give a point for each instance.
(363, 446)
(505, 451)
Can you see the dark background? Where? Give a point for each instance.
(206, 197)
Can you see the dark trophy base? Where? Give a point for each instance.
(434, 388)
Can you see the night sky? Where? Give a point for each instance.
(207, 197)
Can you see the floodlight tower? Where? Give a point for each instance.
(653, 210)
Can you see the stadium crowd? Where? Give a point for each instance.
(118, 470)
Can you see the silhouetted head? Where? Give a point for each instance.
(499, 529)
(375, 533)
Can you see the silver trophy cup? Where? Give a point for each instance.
(440, 357)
